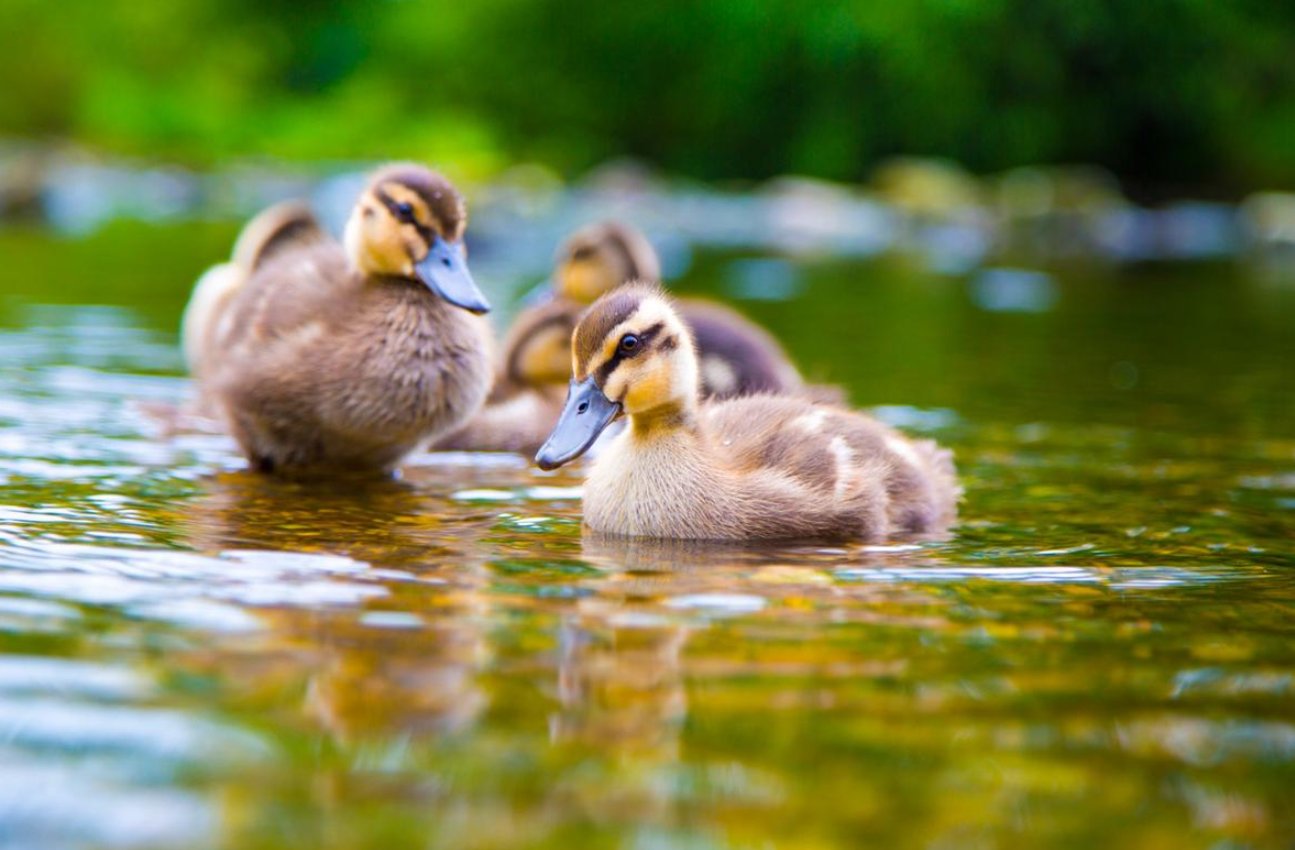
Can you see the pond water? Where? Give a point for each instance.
(1102, 653)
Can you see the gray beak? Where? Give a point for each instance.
(445, 272)
(586, 414)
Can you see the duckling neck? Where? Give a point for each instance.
(666, 421)
(655, 479)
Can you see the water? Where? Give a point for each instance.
(1101, 654)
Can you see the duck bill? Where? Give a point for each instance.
(586, 414)
(445, 271)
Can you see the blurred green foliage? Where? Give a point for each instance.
(1191, 93)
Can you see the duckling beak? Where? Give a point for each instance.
(445, 272)
(586, 414)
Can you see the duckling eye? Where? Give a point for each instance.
(629, 343)
(405, 212)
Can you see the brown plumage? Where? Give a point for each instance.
(282, 226)
(330, 357)
(737, 356)
(757, 467)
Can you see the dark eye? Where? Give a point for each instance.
(629, 343)
(404, 212)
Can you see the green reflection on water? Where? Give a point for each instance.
(1100, 655)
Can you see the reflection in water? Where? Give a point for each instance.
(1100, 655)
(407, 665)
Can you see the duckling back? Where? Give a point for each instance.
(270, 232)
(861, 476)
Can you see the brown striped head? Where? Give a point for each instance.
(409, 223)
(600, 257)
(632, 354)
(537, 350)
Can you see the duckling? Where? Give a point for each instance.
(737, 356)
(754, 467)
(332, 357)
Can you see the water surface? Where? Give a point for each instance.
(1100, 654)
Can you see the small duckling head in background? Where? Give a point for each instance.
(409, 222)
(600, 257)
(593, 261)
(631, 354)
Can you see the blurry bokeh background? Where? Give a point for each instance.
(1170, 95)
(975, 115)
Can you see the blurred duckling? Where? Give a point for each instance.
(331, 357)
(737, 356)
(755, 467)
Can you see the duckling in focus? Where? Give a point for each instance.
(331, 357)
(737, 356)
(755, 467)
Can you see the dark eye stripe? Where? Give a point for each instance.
(393, 207)
(645, 341)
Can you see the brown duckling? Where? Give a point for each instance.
(737, 356)
(331, 357)
(756, 467)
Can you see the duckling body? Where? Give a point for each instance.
(757, 467)
(338, 358)
(768, 467)
(737, 356)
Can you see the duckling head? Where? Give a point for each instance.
(600, 257)
(409, 222)
(631, 354)
(542, 355)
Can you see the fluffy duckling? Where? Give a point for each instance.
(756, 467)
(737, 356)
(326, 356)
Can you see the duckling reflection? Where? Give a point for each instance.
(371, 681)
(621, 662)
(388, 522)
(399, 658)
(386, 672)
(620, 682)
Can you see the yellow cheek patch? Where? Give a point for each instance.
(584, 280)
(384, 245)
(648, 390)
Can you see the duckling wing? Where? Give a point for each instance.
(282, 227)
(285, 308)
(785, 434)
(846, 456)
(269, 234)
